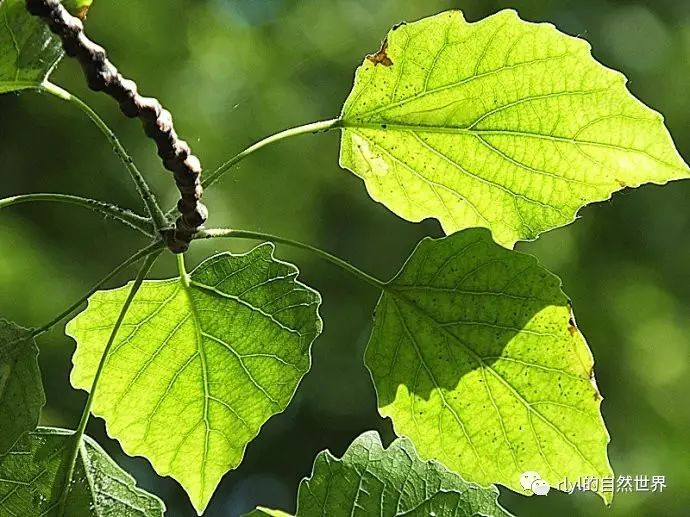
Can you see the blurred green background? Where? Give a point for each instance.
(233, 71)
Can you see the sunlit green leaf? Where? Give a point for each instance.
(371, 480)
(33, 473)
(502, 124)
(196, 371)
(476, 357)
(21, 390)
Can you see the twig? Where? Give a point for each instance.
(102, 75)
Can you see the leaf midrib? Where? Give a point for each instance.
(246, 304)
(186, 287)
(421, 128)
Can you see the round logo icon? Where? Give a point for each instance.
(532, 481)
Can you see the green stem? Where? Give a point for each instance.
(79, 433)
(243, 234)
(147, 196)
(184, 277)
(125, 216)
(153, 248)
(314, 127)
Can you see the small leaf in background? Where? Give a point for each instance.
(196, 371)
(21, 389)
(476, 358)
(32, 477)
(502, 123)
(78, 8)
(28, 50)
(371, 480)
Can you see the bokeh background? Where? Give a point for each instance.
(233, 71)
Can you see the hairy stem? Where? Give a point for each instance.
(79, 433)
(244, 234)
(314, 127)
(143, 188)
(127, 217)
(149, 250)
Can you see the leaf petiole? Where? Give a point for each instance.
(143, 188)
(184, 276)
(217, 233)
(314, 127)
(79, 433)
(145, 252)
(136, 221)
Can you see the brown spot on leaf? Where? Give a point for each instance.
(592, 379)
(381, 57)
(622, 183)
(572, 328)
(82, 12)
(572, 325)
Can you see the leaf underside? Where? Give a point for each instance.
(371, 480)
(502, 124)
(195, 372)
(476, 358)
(32, 477)
(21, 389)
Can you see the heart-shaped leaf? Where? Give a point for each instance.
(33, 473)
(21, 390)
(392, 482)
(476, 358)
(502, 123)
(197, 369)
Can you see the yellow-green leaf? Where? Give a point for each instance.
(476, 358)
(501, 123)
(197, 369)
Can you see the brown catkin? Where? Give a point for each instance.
(101, 75)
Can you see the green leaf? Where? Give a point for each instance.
(502, 124)
(28, 50)
(196, 371)
(79, 8)
(32, 477)
(21, 390)
(371, 480)
(476, 357)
